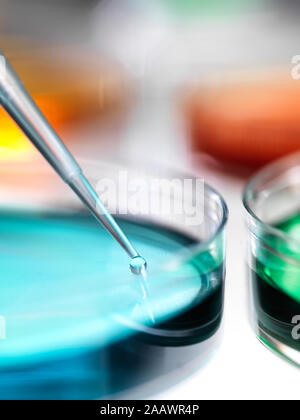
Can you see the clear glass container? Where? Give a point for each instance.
(272, 201)
(75, 322)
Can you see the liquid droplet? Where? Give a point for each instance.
(138, 265)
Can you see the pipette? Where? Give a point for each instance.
(21, 107)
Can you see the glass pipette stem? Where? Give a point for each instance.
(21, 107)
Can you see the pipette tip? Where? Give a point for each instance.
(138, 265)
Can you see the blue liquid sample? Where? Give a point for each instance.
(68, 297)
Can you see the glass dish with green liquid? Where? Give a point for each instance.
(272, 200)
(76, 323)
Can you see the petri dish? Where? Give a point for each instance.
(233, 118)
(272, 201)
(75, 323)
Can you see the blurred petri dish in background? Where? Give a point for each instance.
(193, 8)
(76, 323)
(246, 118)
(71, 87)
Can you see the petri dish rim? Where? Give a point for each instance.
(86, 163)
(282, 165)
(211, 192)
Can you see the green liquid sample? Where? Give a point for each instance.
(67, 296)
(196, 8)
(276, 288)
